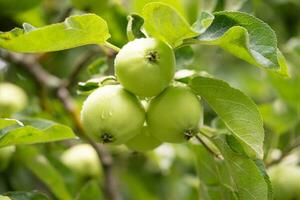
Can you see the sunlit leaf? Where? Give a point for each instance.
(32, 131)
(246, 37)
(135, 23)
(73, 32)
(203, 22)
(215, 180)
(248, 175)
(237, 111)
(165, 23)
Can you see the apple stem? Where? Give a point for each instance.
(110, 45)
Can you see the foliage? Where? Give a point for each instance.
(66, 53)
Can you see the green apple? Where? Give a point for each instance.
(144, 141)
(145, 66)
(83, 160)
(285, 180)
(5, 156)
(175, 115)
(12, 99)
(113, 115)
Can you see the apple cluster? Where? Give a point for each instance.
(148, 107)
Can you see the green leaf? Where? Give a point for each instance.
(237, 111)
(9, 122)
(135, 23)
(248, 175)
(33, 195)
(90, 191)
(96, 82)
(32, 131)
(4, 198)
(247, 38)
(215, 181)
(263, 171)
(240, 5)
(192, 9)
(87, 86)
(138, 5)
(186, 75)
(112, 12)
(73, 32)
(44, 170)
(165, 23)
(203, 22)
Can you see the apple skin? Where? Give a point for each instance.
(285, 180)
(175, 115)
(5, 156)
(12, 99)
(83, 160)
(145, 66)
(112, 115)
(144, 141)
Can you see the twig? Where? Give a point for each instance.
(81, 64)
(284, 154)
(43, 77)
(66, 13)
(207, 147)
(105, 158)
(35, 69)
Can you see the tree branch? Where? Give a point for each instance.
(285, 153)
(41, 76)
(29, 63)
(104, 156)
(81, 64)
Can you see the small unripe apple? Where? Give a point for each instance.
(145, 66)
(83, 160)
(144, 141)
(112, 115)
(5, 156)
(175, 115)
(285, 180)
(12, 99)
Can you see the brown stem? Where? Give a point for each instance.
(42, 77)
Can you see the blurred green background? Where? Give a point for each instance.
(169, 171)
